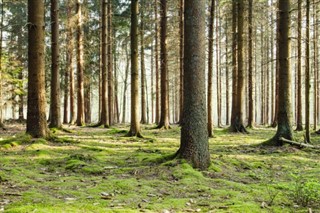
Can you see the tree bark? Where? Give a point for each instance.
(55, 121)
(164, 107)
(181, 52)
(36, 114)
(299, 105)
(80, 92)
(250, 67)
(307, 77)
(194, 146)
(110, 66)
(135, 123)
(210, 69)
(142, 66)
(284, 104)
(1, 92)
(316, 68)
(156, 26)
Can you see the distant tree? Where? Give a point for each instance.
(135, 122)
(284, 104)
(142, 65)
(110, 65)
(164, 107)
(316, 67)
(36, 114)
(250, 67)
(194, 145)
(55, 121)
(156, 61)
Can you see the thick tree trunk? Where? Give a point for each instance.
(36, 114)
(237, 121)
(55, 121)
(164, 112)
(194, 145)
(210, 69)
(284, 104)
(135, 123)
(80, 79)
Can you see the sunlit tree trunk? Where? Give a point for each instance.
(194, 145)
(80, 79)
(135, 122)
(36, 114)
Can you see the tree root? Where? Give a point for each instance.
(302, 145)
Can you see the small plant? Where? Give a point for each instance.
(305, 192)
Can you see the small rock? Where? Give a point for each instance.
(165, 211)
(198, 210)
(264, 205)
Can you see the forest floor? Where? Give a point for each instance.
(100, 170)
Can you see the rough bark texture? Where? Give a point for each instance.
(164, 106)
(135, 123)
(284, 104)
(55, 121)
(181, 52)
(80, 80)
(36, 114)
(250, 68)
(194, 145)
(299, 104)
(210, 69)
(104, 118)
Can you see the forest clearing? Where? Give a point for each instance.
(100, 170)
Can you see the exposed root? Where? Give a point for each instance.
(302, 145)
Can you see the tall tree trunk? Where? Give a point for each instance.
(1, 38)
(152, 84)
(218, 68)
(316, 68)
(181, 53)
(70, 64)
(284, 104)
(194, 146)
(164, 107)
(80, 80)
(66, 91)
(237, 121)
(299, 105)
(104, 117)
(135, 123)
(55, 121)
(116, 91)
(87, 99)
(110, 66)
(307, 67)
(157, 62)
(250, 68)
(36, 114)
(227, 75)
(142, 66)
(210, 69)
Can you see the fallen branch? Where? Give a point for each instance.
(304, 145)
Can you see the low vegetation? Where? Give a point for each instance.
(100, 170)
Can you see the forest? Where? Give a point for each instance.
(159, 106)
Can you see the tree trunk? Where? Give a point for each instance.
(70, 64)
(135, 123)
(80, 92)
(157, 62)
(1, 38)
(55, 121)
(210, 69)
(316, 68)
(104, 117)
(87, 100)
(307, 67)
(194, 146)
(110, 66)
(36, 114)
(142, 66)
(299, 105)
(237, 121)
(125, 87)
(218, 68)
(181, 53)
(164, 107)
(250, 68)
(227, 75)
(284, 104)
